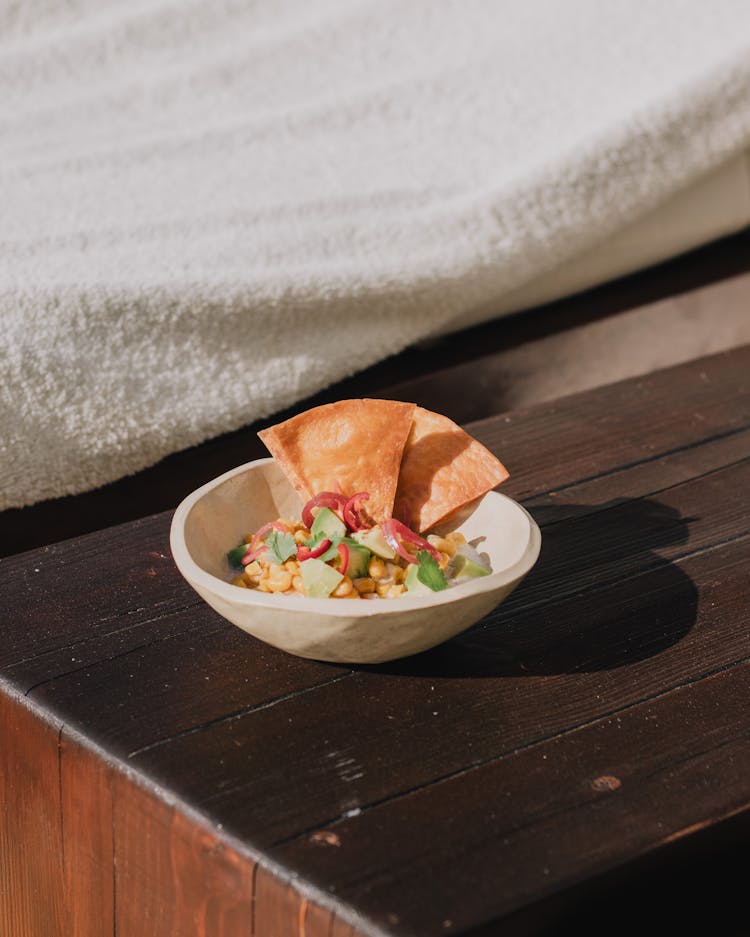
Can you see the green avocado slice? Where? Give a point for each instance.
(318, 578)
(326, 522)
(465, 568)
(359, 559)
(374, 540)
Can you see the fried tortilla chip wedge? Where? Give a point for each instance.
(442, 469)
(347, 446)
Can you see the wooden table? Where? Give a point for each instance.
(583, 750)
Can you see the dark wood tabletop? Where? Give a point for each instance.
(580, 753)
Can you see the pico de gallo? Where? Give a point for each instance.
(336, 551)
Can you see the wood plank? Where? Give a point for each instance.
(177, 683)
(587, 435)
(545, 817)
(692, 884)
(646, 478)
(224, 673)
(31, 852)
(629, 344)
(72, 602)
(275, 748)
(376, 735)
(98, 582)
(86, 807)
(626, 537)
(281, 910)
(175, 878)
(314, 921)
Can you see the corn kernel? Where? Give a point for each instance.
(376, 568)
(364, 584)
(456, 536)
(443, 544)
(281, 581)
(344, 589)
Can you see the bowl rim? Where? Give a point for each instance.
(198, 577)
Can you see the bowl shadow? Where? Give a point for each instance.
(605, 593)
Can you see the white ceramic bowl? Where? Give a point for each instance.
(218, 515)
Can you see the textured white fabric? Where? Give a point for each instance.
(212, 209)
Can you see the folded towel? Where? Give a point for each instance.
(211, 210)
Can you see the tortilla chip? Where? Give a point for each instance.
(442, 469)
(347, 446)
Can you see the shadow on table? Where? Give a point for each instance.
(695, 884)
(604, 594)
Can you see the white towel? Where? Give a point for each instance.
(213, 209)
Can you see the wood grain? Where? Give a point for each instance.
(31, 844)
(377, 735)
(86, 820)
(69, 604)
(673, 761)
(590, 435)
(219, 675)
(207, 784)
(174, 878)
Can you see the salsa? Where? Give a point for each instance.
(335, 550)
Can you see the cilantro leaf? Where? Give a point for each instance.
(234, 556)
(280, 546)
(429, 573)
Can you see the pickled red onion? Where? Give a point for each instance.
(326, 499)
(252, 554)
(271, 525)
(393, 529)
(351, 518)
(312, 553)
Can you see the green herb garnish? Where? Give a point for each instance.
(429, 573)
(280, 546)
(234, 556)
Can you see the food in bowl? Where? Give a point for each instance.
(329, 558)
(409, 468)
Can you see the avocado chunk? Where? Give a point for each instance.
(413, 583)
(374, 540)
(359, 559)
(327, 523)
(465, 568)
(318, 578)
